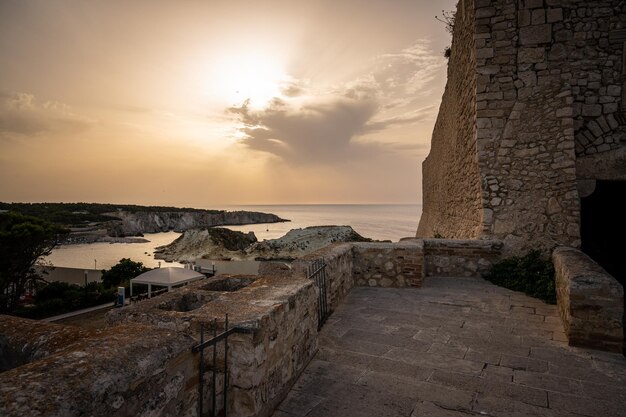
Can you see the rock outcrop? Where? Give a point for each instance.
(221, 243)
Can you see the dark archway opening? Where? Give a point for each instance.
(603, 228)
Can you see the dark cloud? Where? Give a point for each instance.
(314, 132)
(305, 126)
(21, 114)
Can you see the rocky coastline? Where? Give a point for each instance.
(131, 226)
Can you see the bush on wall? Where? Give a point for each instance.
(532, 274)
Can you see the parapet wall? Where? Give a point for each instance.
(143, 365)
(590, 301)
(389, 264)
(459, 258)
(339, 262)
(133, 370)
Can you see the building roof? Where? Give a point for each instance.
(167, 276)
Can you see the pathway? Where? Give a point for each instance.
(456, 347)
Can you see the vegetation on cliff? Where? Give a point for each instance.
(75, 214)
(532, 274)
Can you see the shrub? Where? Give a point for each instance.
(532, 274)
(60, 297)
(123, 271)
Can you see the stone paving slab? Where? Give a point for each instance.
(455, 347)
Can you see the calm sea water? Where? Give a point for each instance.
(376, 221)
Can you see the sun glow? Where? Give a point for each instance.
(247, 76)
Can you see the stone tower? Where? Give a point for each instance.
(530, 142)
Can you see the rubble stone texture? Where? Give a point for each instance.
(533, 106)
(590, 301)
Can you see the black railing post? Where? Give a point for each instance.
(226, 367)
(200, 348)
(201, 374)
(317, 272)
(214, 366)
(325, 312)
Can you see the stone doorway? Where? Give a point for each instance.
(603, 228)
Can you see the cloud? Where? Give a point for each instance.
(293, 88)
(320, 130)
(409, 71)
(305, 126)
(418, 115)
(22, 114)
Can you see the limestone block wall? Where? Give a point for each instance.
(388, 264)
(590, 301)
(531, 187)
(25, 341)
(547, 94)
(134, 370)
(459, 258)
(143, 365)
(339, 261)
(451, 183)
(525, 129)
(267, 363)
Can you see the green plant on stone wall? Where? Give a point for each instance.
(532, 274)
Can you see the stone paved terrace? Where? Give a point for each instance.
(455, 347)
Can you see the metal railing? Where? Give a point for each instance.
(199, 348)
(317, 272)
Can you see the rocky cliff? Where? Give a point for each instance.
(137, 223)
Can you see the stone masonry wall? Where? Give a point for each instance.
(549, 72)
(134, 370)
(451, 184)
(143, 365)
(590, 301)
(339, 266)
(459, 258)
(548, 80)
(266, 364)
(388, 264)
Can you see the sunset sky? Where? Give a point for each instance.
(202, 103)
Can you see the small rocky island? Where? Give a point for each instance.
(94, 222)
(225, 244)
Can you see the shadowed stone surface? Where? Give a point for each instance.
(455, 347)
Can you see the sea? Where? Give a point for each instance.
(375, 221)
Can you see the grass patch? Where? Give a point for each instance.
(532, 274)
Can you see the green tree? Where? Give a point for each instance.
(125, 270)
(23, 241)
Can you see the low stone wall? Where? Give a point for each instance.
(131, 370)
(388, 264)
(143, 365)
(24, 341)
(267, 363)
(590, 301)
(459, 258)
(339, 260)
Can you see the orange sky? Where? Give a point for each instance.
(205, 103)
